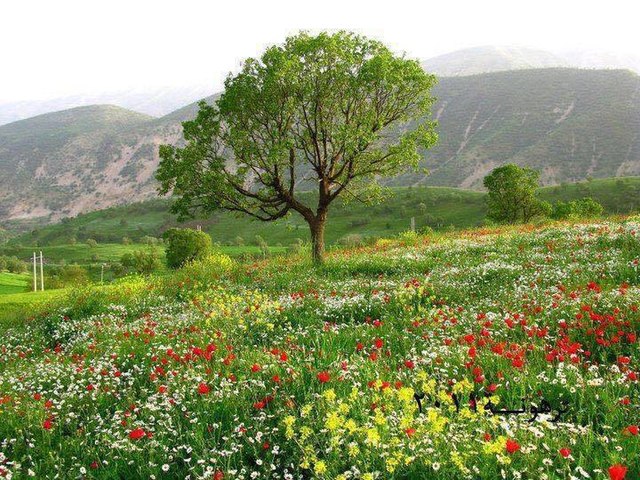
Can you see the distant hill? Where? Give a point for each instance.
(472, 61)
(601, 60)
(568, 123)
(153, 101)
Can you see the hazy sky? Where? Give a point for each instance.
(61, 47)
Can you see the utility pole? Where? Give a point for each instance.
(102, 273)
(35, 274)
(413, 224)
(41, 272)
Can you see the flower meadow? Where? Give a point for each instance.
(505, 353)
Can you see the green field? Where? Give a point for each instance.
(13, 283)
(502, 352)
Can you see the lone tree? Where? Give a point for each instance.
(331, 112)
(512, 194)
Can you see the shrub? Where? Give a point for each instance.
(186, 245)
(146, 262)
(65, 276)
(209, 268)
(127, 260)
(584, 208)
(297, 246)
(92, 243)
(351, 240)
(409, 237)
(260, 242)
(15, 265)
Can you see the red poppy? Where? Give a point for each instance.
(512, 446)
(632, 430)
(565, 452)
(136, 434)
(47, 424)
(324, 377)
(409, 364)
(617, 472)
(255, 368)
(203, 389)
(410, 432)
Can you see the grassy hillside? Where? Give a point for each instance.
(13, 283)
(439, 208)
(492, 353)
(568, 123)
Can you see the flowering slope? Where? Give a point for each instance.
(508, 354)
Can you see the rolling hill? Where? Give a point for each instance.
(569, 123)
(151, 101)
(485, 59)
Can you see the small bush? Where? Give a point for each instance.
(13, 265)
(584, 208)
(146, 262)
(186, 245)
(409, 237)
(209, 268)
(352, 240)
(91, 243)
(66, 276)
(298, 246)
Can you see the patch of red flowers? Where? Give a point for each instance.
(137, 434)
(617, 472)
(512, 446)
(324, 377)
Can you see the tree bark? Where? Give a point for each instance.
(317, 238)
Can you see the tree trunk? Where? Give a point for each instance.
(317, 238)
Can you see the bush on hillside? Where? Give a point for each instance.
(146, 262)
(140, 261)
(65, 276)
(12, 264)
(584, 208)
(186, 245)
(351, 240)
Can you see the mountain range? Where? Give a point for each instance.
(156, 102)
(568, 123)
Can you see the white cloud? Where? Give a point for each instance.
(62, 47)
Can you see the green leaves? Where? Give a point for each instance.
(332, 111)
(512, 194)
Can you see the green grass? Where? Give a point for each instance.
(11, 283)
(16, 307)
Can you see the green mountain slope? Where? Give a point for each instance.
(570, 124)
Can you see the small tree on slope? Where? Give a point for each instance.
(330, 111)
(512, 194)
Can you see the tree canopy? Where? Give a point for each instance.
(512, 194)
(331, 112)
